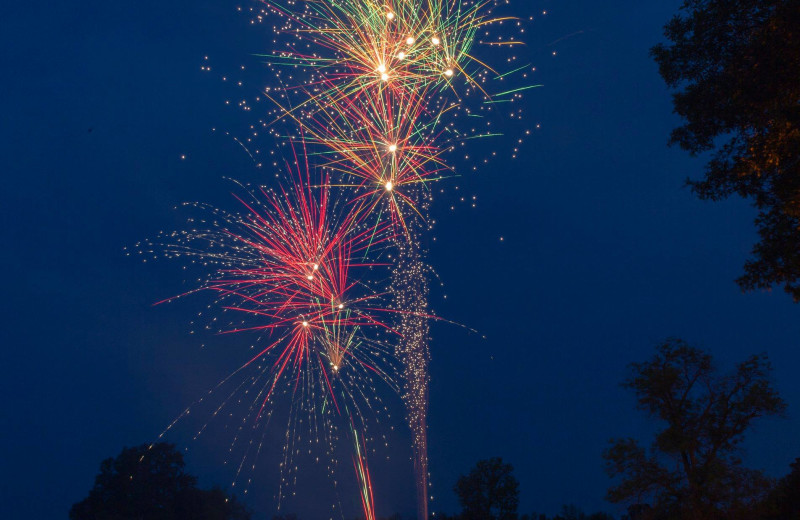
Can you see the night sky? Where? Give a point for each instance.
(604, 254)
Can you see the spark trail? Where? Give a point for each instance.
(410, 287)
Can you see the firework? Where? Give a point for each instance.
(373, 109)
(293, 268)
(376, 109)
(377, 147)
(401, 44)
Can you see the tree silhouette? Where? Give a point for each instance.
(783, 501)
(149, 483)
(488, 492)
(639, 512)
(569, 512)
(692, 469)
(734, 66)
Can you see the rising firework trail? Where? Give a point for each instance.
(410, 287)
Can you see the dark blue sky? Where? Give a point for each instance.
(604, 254)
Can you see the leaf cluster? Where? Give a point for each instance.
(734, 67)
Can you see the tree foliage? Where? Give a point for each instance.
(568, 512)
(734, 66)
(571, 512)
(150, 483)
(489, 491)
(692, 469)
(783, 501)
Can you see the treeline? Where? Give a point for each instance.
(691, 469)
(568, 512)
(780, 501)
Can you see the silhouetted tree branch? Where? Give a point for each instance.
(692, 469)
(734, 66)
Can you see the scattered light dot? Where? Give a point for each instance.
(410, 40)
(448, 72)
(435, 40)
(390, 15)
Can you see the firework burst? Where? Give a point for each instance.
(293, 267)
(376, 107)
